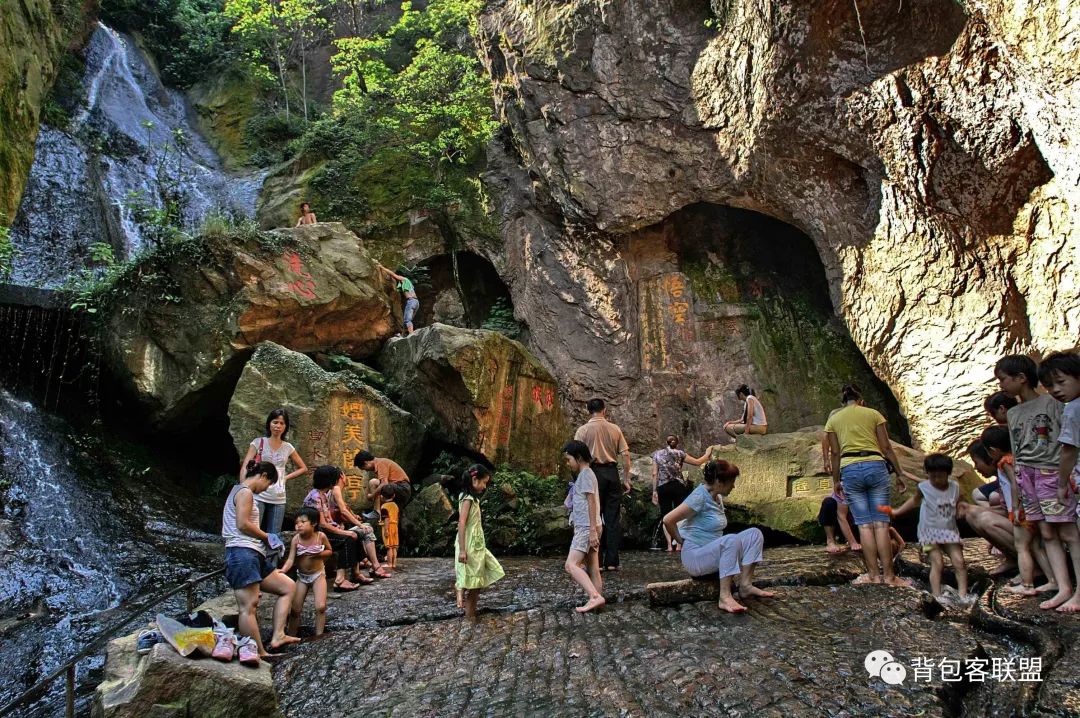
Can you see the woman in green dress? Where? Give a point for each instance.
(475, 566)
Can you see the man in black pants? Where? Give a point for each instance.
(607, 444)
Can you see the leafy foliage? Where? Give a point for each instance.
(7, 254)
(411, 121)
(188, 37)
(501, 319)
(275, 34)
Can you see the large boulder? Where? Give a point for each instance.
(479, 390)
(427, 528)
(923, 147)
(163, 683)
(332, 416)
(311, 289)
(782, 481)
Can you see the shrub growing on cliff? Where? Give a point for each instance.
(411, 120)
(7, 254)
(186, 37)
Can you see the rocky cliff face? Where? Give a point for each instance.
(921, 146)
(33, 36)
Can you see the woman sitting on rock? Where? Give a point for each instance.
(669, 487)
(753, 417)
(862, 458)
(705, 547)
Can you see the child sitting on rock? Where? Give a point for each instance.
(390, 517)
(938, 497)
(475, 567)
(307, 550)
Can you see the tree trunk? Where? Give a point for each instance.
(303, 75)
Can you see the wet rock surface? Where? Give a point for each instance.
(399, 648)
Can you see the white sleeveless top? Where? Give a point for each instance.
(757, 417)
(234, 537)
(937, 516)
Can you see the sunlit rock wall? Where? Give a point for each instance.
(922, 146)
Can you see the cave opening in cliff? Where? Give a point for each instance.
(726, 296)
(469, 294)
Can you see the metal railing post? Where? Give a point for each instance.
(68, 669)
(69, 710)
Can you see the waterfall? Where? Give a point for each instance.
(79, 540)
(120, 147)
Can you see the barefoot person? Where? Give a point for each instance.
(247, 568)
(938, 501)
(705, 547)
(860, 449)
(306, 215)
(990, 520)
(307, 550)
(475, 568)
(606, 445)
(585, 518)
(753, 419)
(669, 488)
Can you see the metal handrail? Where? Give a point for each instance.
(103, 638)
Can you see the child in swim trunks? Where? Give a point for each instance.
(937, 498)
(307, 551)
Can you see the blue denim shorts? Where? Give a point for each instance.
(411, 305)
(866, 486)
(245, 566)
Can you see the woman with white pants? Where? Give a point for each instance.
(706, 550)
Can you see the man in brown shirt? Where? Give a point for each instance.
(387, 472)
(607, 445)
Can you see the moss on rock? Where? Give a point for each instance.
(34, 35)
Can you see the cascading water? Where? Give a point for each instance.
(131, 138)
(78, 540)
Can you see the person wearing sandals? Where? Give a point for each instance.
(862, 459)
(342, 541)
(340, 512)
(707, 550)
(248, 569)
(669, 488)
(274, 448)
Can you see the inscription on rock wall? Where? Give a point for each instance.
(352, 429)
(666, 316)
(521, 411)
(808, 486)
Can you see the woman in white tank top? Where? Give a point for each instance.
(753, 419)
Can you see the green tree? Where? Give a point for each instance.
(412, 117)
(277, 33)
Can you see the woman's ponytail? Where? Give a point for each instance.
(255, 468)
(850, 393)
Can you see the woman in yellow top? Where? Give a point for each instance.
(862, 458)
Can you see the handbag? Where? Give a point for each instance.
(258, 454)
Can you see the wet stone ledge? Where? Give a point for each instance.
(398, 648)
